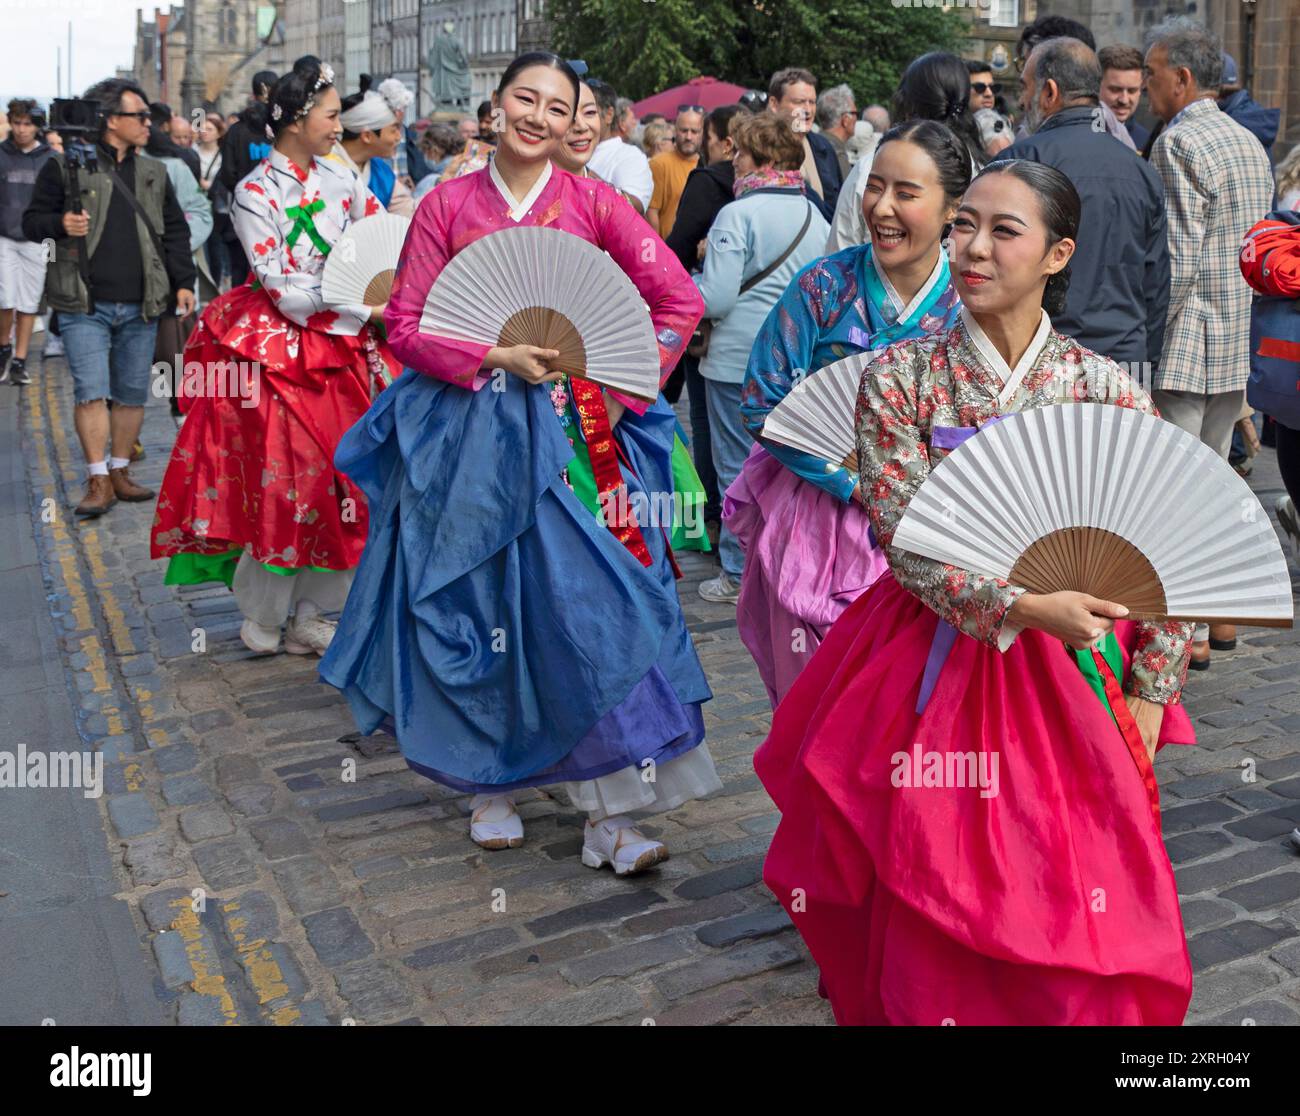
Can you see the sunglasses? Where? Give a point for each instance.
(690, 108)
(143, 117)
(985, 87)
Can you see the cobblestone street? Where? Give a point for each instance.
(331, 899)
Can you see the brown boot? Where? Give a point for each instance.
(99, 496)
(127, 489)
(1223, 637)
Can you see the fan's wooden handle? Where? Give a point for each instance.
(1244, 621)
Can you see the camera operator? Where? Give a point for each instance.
(136, 267)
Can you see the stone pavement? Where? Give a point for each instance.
(283, 871)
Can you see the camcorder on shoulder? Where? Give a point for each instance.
(79, 122)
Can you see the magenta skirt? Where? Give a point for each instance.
(1040, 895)
(808, 556)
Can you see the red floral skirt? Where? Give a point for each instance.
(253, 465)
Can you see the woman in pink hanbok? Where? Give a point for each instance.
(970, 826)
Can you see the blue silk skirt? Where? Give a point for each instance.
(495, 627)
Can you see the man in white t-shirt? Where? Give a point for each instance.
(622, 165)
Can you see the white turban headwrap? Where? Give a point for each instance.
(396, 94)
(372, 112)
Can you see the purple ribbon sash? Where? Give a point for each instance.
(945, 635)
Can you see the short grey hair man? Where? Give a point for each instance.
(1189, 45)
(837, 113)
(1059, 74)
(878, 117)
(835, 104)
(624, 118)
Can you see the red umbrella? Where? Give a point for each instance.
(706, 91)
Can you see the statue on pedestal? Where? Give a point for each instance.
(449, 77)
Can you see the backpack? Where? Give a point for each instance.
(1274, 384)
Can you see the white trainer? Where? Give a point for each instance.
(308, 632)
(259, 639)
(494, 822)
(618, 843)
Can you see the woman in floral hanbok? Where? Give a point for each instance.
(800, 519)
(509, 634)
(273, 377)
(1032, 885)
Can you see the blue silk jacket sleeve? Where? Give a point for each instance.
(782, 355)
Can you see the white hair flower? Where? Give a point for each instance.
(396, 94)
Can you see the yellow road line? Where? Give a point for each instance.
(262, 968)
(208, 979)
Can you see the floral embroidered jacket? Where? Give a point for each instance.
(287, 221)
(920, 386)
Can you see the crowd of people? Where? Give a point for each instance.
(985, 251)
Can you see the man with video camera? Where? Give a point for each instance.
(121, 260)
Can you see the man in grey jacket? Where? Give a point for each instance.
(118, 263)
(1119, 273)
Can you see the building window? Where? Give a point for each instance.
(1004, 13)
(228, 28)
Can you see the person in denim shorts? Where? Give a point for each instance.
(137, 267)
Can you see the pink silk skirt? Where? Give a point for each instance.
(1050, 901)
(808, 556)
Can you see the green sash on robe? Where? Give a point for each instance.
(1087, 666)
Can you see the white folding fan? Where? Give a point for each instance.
(545, 287)
(359, 269)
(1108, 501)
(817, 416)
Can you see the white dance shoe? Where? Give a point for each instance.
(259, 639)
(307, 632)
(618, 843)
(494, 822)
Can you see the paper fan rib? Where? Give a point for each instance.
(359, 268)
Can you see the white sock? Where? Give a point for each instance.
(118, 462)
(97, 469)
(501, 806)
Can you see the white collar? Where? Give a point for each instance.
(519, 210)
(896, 300)
(1009, 377)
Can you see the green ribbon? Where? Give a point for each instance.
(303, 223)
(1110, 651)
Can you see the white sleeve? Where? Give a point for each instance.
(633, 175)
(849, 228)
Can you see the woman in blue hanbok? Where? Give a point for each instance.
(809, 553)
(507, 633)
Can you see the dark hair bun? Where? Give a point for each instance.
(293, 95)
(1054, 294)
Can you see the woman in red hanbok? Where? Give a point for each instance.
(970, 830)
(273, 378)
